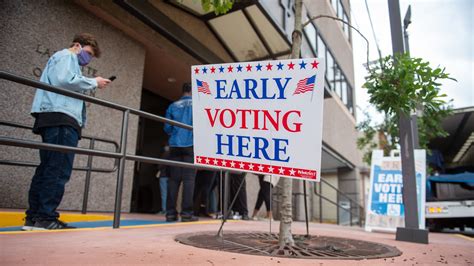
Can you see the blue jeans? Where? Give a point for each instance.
(180, 175)
(163, 192)
(51, 176)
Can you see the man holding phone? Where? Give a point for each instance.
(59, 120)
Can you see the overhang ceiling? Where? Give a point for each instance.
(460, 127)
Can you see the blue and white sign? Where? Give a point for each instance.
(385, 209)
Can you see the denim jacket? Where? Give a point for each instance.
(181, 111)
(63, 71)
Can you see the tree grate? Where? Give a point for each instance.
(312, 247)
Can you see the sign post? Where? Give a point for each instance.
(261, 117)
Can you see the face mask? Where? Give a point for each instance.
(84, 57)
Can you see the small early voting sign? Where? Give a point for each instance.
(385, 210)
(261, 117)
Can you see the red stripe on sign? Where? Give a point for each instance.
(257, 167)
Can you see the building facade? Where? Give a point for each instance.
(150, 46)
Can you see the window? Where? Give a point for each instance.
(321, 51)
(306, 49)
(346, 27)
(334, 5)
(313, 44)
(310, 31)
(337, 80)
(330, 70)
(344, 90)
(340, 10)
(341, 14)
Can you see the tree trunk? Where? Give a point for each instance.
(286, 238)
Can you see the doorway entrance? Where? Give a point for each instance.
(146, 196)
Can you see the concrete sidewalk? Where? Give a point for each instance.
(154, 244)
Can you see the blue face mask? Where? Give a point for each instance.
(84, 57)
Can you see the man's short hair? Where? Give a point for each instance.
(87, 39)
(186, 87)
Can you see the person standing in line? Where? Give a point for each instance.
(181, 149)
(266, 184)
(240, 204)
(59, 120)
(163, 175)
(204, 183)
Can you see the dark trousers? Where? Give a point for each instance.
(240, 204)
(51, 176)
(204, 183)
(263, 194)
(178, 175)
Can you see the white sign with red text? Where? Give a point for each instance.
(262, 117)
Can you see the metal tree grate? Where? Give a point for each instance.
(312, 247)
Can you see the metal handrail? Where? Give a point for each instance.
(121, 154)
(77, 95)
(35, 164)
(89, 169)
(359, 207)
(339, 207)
(341, 193)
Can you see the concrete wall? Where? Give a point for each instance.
(339, 131)
(329, 210)
(30, 32)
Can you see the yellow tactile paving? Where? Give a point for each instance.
(108, 227)
(8, 219)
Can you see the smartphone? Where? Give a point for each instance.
(112, 78)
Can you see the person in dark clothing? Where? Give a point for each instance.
(240, 204)
(204, 183)
(181, 149)
(163, 174)
(59, 120)
(264, 195)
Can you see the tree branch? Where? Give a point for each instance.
(338, 19)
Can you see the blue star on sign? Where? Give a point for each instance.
(204, 70)
(280, 66)
(239, 68)
(259, 67)
(302, 65)
(221, 69)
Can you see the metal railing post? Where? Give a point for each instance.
(337, 209)
(85, 198)
(350, 212)
(305, 208)
(121, 169)
(320, 203)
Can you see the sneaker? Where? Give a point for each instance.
(191, 218)
(245, 217)
(236, 216)
(171, 218)
(50, 225)
(29, 225)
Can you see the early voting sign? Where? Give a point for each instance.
(385, 210)
(262, 117)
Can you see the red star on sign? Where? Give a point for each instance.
(213, 69)
(291, 65)
(230, 68)
(315, 64)
(249, 67)
(196, 70)
(269, 66)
